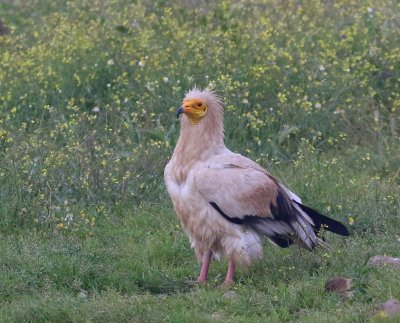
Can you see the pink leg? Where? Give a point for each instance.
(204, 267)
(230, 273)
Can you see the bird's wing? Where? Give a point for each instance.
(244, 193)
(238, 191)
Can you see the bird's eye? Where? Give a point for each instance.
(199, 104)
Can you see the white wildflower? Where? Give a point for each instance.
(211, 85)
(149, 86)
(338, 111)
(69, 217)
(135, 24)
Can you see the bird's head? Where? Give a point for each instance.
(197, 104)
(194, 109)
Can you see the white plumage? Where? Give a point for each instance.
(225, 201)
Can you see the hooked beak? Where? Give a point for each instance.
(179, 111)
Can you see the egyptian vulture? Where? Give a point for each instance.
(227, 202)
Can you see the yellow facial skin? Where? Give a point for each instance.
(195, 110)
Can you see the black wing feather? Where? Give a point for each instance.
(323, 221)
(281, 228)
(262, 224)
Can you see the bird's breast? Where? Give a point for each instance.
(177, 181)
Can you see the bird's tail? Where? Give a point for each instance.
(310, 224)
(322, 222)
(294, 222)
(291, 222)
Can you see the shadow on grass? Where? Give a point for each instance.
(167, 287)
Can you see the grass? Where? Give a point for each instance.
(87, 98)
(139, 267)
(126, 273)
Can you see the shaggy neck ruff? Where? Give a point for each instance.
(197, 142)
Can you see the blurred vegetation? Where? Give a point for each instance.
(88, 89)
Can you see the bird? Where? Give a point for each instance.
(225, 201)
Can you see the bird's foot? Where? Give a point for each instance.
(228, 283)
(202, 280)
